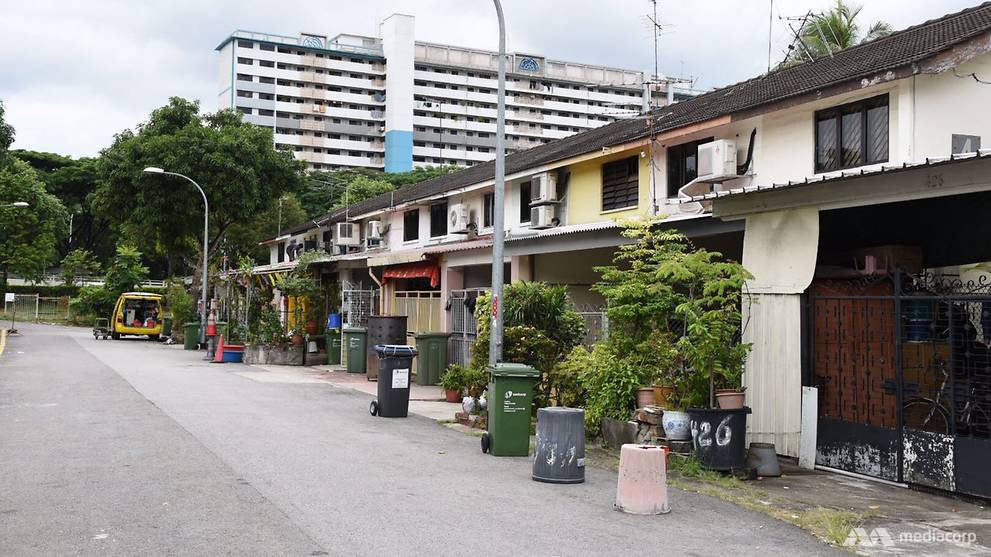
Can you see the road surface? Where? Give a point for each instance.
(134, 448)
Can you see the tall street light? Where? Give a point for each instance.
(498, 232)
(206, 233)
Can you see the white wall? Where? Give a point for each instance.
(946, 104)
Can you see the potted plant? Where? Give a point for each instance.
(453, 382)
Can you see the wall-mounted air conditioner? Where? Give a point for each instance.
(373, 233)
(346, 234)
(543, 188)
(461, 222)
(544, 216)
(717, 161)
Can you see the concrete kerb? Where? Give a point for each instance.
(3, 340)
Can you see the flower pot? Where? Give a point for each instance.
(676, 425)
(645, 396)
(719, 437)
(452, 396)
(661, 394)
(729, 399)
(297, 339)
(311, 327)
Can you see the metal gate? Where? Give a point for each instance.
(464, 328)
(903, 370)
(357, 304)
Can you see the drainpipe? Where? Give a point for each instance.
(381, 291)
(670, 90)
(645, 107)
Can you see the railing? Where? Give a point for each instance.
(32, 307)
(422, 309)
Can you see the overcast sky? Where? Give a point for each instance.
(75, 72)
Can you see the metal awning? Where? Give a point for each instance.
(396, 258)
(424, 269)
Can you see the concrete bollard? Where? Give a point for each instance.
(642, 487)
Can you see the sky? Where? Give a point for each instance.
(75, 72)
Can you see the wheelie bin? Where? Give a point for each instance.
(432, 359)
(334, 347)
(394, 363)
(191, 336)
(354, 342)
(510, 397)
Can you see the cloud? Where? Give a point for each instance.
(74, 73)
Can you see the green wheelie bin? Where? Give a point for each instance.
(355, 340)
(432, 360)
(191, 336)
(334, 347)
(510, 398)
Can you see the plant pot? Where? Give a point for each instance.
(729, 399)
(311, 327)
(719, 437)
(452, 396)
(645, 397)
(676, 425)
(297, 339)
(661, 394)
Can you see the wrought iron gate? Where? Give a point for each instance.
(903, 370)
(357, 304)
(464, 328)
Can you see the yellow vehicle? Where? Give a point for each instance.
(137, 313)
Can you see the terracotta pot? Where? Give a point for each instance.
(452, 396)
(661, 394)
(645, 397)
(311, 328)
(297, 339)
(729, 399)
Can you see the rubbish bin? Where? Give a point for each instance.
(432, 359)
(559, 456)
(191, 336)
(509, 400)
(334, 347)
(719, 437)
(354, 343)
(167, 326)
(383, 329)
(394, 363)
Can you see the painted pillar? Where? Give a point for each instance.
(780, 250)
(521, 268)
(451, 278)
(397, 45)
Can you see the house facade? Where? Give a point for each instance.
(854, 188)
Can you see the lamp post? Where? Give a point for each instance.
(498, 232)
(206, 233)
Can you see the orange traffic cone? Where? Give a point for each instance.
(218, 354)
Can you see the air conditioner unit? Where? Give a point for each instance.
(461, 220)
(717, 161)
(346, 234)
(544, 216)
(543, 188)
(373, 233)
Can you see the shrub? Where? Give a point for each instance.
(181, 304)
(476, 381)
(611, 382)
(454, 378)
(566, 378)
(93, 301)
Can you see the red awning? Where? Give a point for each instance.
(414, 270)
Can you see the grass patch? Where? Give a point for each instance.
(831, 525)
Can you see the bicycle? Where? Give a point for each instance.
(929, 414)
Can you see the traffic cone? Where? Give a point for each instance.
(218, 354)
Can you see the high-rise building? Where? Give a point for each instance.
(394, 103)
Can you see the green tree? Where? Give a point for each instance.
(29, 236)
(6, 135)
(77, 263)
(233, 161)
(831, 31)
(126, 272)
(323, 191)
(243, 237)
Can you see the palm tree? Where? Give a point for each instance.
(828, 32)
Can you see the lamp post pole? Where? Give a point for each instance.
(206, 244)
(498, 216)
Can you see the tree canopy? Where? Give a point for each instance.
(833, 30)
(233, 161)
(29, 236)
(323, 191)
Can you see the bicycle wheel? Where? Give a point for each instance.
(925, 415)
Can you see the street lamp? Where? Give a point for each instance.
(206, 233)
(495, 338)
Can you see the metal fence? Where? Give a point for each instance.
(422, 309)
(596, 326)
(33, 307)
(357, 304)
(464, 328)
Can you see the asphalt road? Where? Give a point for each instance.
(134, 448)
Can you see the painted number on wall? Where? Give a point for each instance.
(703, 435)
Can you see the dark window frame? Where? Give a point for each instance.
(438, 220)
(526, 190)
(415, 229)
(488, 210)
(679, 172)
(835, 115)
(621, 184)
(281, 255)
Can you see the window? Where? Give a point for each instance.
(281, 252)
(525, 202)
(683, 164)
(411, 225)
(245, 44)
(246, 61)
(852, 135)
(266, 63)
(244, 77)
(620, 184)
(438, 220)
(268, 47)
(488, 209)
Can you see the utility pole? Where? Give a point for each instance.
(498, 227)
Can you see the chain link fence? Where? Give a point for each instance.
(33, 307)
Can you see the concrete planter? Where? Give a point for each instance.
(273, 355)
(617, 433)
